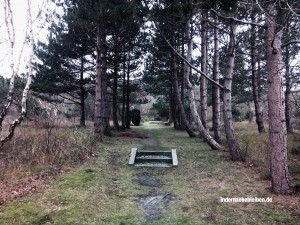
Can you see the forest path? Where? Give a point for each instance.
(156, 200)
(107, 191)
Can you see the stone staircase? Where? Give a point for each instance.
(159, 159)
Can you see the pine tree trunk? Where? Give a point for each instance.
(101, 119)
(124, 91)
(233, 145)
(288, 121)
(203, 81)
(216, 106)
(115, 90)
(128, 116)
(82, 94)
(190, 90)
(171, 101)
(280, 176)
(254, 77)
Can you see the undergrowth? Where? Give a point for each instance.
(104, 190)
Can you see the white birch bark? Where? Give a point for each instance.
(21, 116)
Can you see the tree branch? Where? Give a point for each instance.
(187, 62)
(289, 43)
(237, 20)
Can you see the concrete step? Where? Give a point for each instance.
(153, 158)
(154, 165)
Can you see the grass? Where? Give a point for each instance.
(104, 190)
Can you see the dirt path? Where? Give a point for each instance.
(155, 202)
(151, 142)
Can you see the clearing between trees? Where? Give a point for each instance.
(105, 190)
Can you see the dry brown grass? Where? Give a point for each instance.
(255, 147)
(39, 151)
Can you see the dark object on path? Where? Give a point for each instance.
(296, 150)
(136, 117)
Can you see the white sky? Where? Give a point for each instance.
(19, 8)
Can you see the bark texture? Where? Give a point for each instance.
(101, 118)
(82, 94)
(115, 89)
(216, 106)
(280, 176)
(21, 116)
(254, 77)
(203, 81)
(288, 121)
(233, 144)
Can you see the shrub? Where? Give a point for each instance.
(236, 114)
(136, 117)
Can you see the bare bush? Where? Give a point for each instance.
(47, 146)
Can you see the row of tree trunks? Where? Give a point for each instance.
(183, 118)
(190, 90)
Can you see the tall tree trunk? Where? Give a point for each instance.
(115, 90)
(124, 91)
(183, 117)
(254, 77)
(287, 92)
(101, 119)
(128, 116)
(190, 90)
(82, 94)
(216, 106)
(203, 81)
(233, 145)
(172, 100)
(280, 176)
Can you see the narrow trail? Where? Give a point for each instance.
(157, 200)
(150, 143)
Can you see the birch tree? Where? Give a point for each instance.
(15, 65)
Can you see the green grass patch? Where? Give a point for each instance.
(105, 191)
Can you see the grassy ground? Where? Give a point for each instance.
(105, 190)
